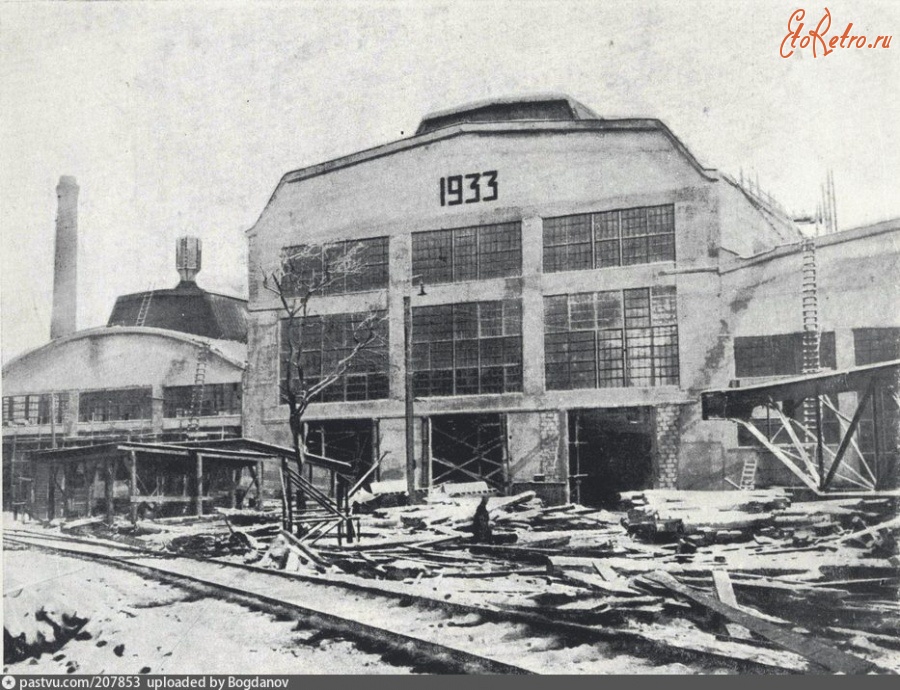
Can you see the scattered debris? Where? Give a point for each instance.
(746, 569)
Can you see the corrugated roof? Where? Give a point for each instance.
(186, 308)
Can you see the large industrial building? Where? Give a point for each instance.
(575, 283)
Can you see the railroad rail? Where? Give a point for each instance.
(441, 636)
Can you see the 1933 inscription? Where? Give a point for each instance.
(469, 189)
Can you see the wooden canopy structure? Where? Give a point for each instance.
(191, 476)
(82, 481)
(806, 455)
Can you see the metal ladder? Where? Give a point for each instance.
(811, 337)
(145, 307)
(748, 474)
(203, 351)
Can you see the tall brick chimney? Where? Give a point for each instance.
(65, 266)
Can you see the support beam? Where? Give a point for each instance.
(408, 399)
(776, 451)
(844, 421)
(801, 451)
(258, 479)
(287, 516)
(820, 457)
(109, 479)
(132, 484)
(848, 435)
(876, 454)
(51, 492)
(199, 484)
(90, 471)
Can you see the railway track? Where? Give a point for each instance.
(435, 635)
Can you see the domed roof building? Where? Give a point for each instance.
(167, 367)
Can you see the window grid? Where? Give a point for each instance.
(115, 405)
(610, 238)
(34, 409)
(873, 345)
(306, 264)
(467, 348)
(778, 355)
(473, 253)
(218, 398)
(328, 339)
(611, 339)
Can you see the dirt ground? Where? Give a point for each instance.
(139, 626)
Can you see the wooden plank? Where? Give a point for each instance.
(166, 499)
(725, 592)
(809, 648)
(311, 553)
(873, 530)
(504, 503)
(604, 571)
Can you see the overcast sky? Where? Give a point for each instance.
(181, 118)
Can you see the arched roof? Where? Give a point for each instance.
(232, 352)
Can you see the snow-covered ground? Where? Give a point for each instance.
(137, 625)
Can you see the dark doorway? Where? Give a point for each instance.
(610, 450)
(469, 448)
(349, 440)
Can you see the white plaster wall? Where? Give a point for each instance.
(105, 358)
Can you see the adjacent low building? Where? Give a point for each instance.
(168, 367)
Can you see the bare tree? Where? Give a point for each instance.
(306, 272)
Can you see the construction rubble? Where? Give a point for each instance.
(801, 584)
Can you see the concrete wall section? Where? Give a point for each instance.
(114, 358)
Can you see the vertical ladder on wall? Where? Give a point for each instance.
(809, 293)
(811, 355)
(199, 385)
(145, 307)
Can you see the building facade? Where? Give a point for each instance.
(574, 283)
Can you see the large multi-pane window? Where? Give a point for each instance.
(328, 340)
(115, 405)
(873, 345)
(612, 238)
(217, 399)
(339, 267)
(465, 349)
(611, 339)
(778, 355)
(42, 408)
(485, 251)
